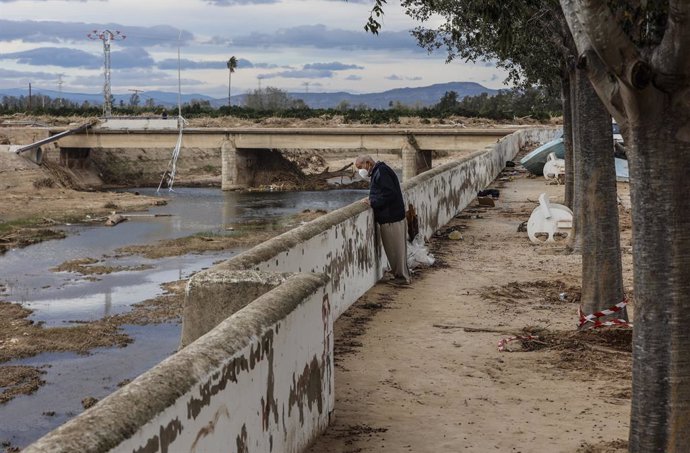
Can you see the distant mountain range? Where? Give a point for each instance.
(420, 96)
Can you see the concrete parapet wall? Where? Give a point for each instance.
(257, 372)
(439, 194)
(139, 123)
(261, 381)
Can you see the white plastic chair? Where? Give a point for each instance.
(549, 219)
(554, 167)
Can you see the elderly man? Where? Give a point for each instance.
(385, 198)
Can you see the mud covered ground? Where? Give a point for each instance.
(418, 368)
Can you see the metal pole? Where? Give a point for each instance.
(107, 108)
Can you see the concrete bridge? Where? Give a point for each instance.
(243, 149)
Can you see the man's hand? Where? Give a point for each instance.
(366, 201)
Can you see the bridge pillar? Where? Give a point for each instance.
(233, 166)
(414, 160)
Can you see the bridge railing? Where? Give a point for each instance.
(256, 373)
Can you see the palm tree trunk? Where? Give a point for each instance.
(229, 88)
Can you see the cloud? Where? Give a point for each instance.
(264, 66)
(311, 71)
(397, 77)
(324, 38)
(76, 32)
(135, 57)
(242, 63)
(82, 1)
(300, 74)
(136, 78)
(239, 2)
(333, 66)
(55, 56)
(73, 58)
(11, 74)
(171, 63)
(353, 77)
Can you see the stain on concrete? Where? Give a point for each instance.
(306, 388)
(163, 439)
(210, 427)
(327, 332)
(151, 446)
(169, 433)
(269, 403)
(209, 388)
(241, 441)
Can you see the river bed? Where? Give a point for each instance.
(61, 298)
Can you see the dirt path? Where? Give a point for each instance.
(418, 369)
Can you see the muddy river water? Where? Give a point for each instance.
(59, 298)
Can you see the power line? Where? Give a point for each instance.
(106, 36)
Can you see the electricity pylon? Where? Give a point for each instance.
(106, 36)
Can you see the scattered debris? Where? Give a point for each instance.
(114, 219)
(547, 220)
(493, 193)
(455, 235)
(486, 201)
(88, 402)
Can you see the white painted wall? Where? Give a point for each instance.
(260, 381)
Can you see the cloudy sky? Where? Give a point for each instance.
(296, 45)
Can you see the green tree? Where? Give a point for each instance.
(636, 56)
(531, 39)
(270, 99)
(449, 101)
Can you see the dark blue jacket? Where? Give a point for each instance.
(385, 196)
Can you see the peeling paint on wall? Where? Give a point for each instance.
(163, 439)
(307, 387)
(210, 427)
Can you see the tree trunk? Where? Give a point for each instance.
(602, 273)
(229, 88)
(659, 159)
(579, 86)
(566, 96)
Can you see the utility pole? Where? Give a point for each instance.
(60, 82)
(135, 96)
(106, 36)
(29, 95)
(306, 85)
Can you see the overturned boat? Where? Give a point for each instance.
(534, 161)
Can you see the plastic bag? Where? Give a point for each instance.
(418, 253)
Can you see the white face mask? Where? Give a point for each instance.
(363, 173)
